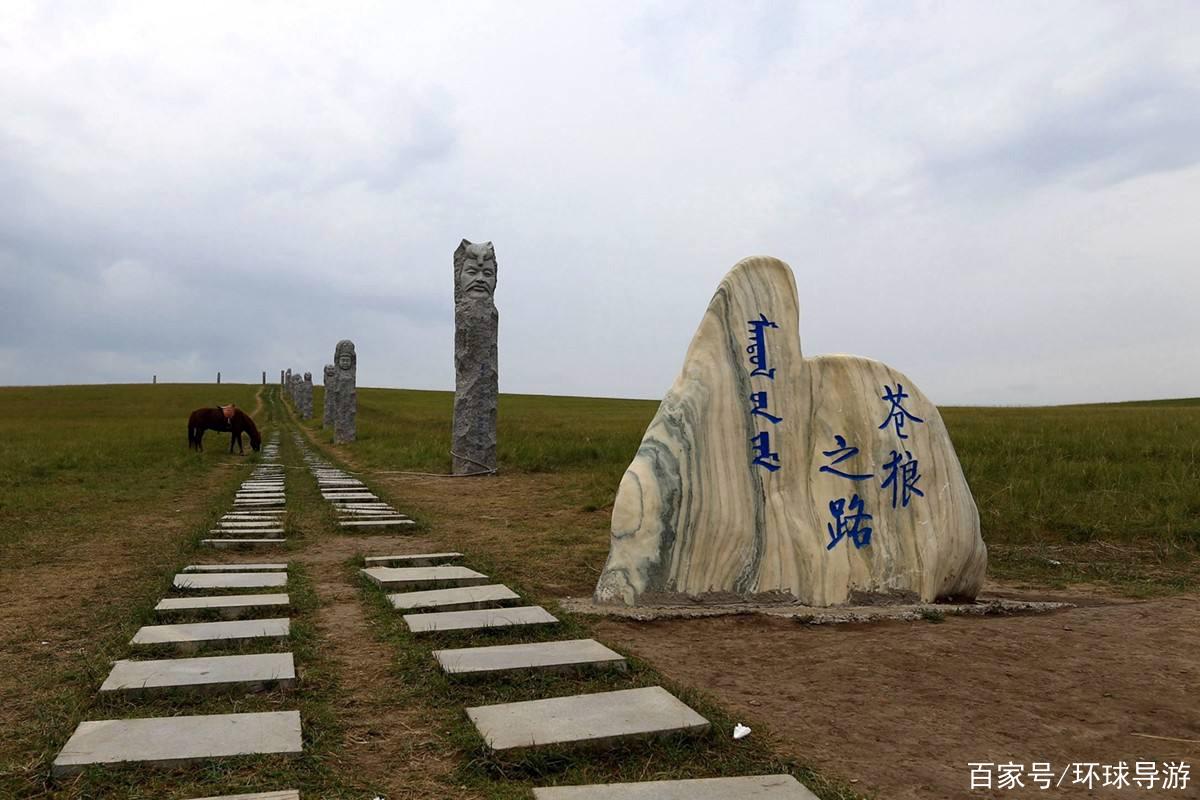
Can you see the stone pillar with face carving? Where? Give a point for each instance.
(287, 383)
(306, 397)
(345, 382)
(330, 397)
(476, 385)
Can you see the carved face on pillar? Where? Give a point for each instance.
(308, 377)
(475, 271)
(329, 370)
(344, 357)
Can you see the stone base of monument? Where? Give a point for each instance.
(418, 578)
(415, 560)
(816, 615)
(242, 544)
(245, 673)
(589, 719)
(460, 599)
(230, 580)
(235, 567)
(479, 620)
(192, 636)
(228, 606)
(755, 787)
(178, 741)
(562, 656)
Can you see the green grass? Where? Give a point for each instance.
(72, 455)
(1110, 490)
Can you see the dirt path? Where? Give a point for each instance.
(902, 708)
(387, 743)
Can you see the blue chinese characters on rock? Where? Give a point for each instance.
(849, 515)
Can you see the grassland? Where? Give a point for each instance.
(1068, 494)
(98, 509)
(74, 457)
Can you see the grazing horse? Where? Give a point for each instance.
(222, 418)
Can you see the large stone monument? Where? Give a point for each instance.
(282, 382)
(294, 389)
(345, 383)
(330, 397)
(476, 321)
(769, 476)
(306, 397)
(287, 383)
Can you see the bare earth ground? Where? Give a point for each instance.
(387, 744)
(898, 708)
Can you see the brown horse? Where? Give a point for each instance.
(222, 418)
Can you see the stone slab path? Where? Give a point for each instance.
(235, 568)
(416, 560)
(585, 719)
(756, 787)
(242, 544)
(460, 599)
(190, 635)
(245, 672)
(414, 578)
(230, 580)
(568, 654)
(227, 606)
(287, 794)
(174, 741)
(478, 620)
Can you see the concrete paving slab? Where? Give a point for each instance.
(176, 741)
(254, 533)
(476, 620)
(242, 544)
(459, 599)
(255, 503)
(287, 794)
(417, 578)
(570, 654)
(592, 719)
(235, 567)
(227, 606)
(191, 635)
(229, 580)
(249, 673)
(248, 524)
(375, 523)
(754, 787)
(414, 560)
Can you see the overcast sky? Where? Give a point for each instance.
(1000, 199)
